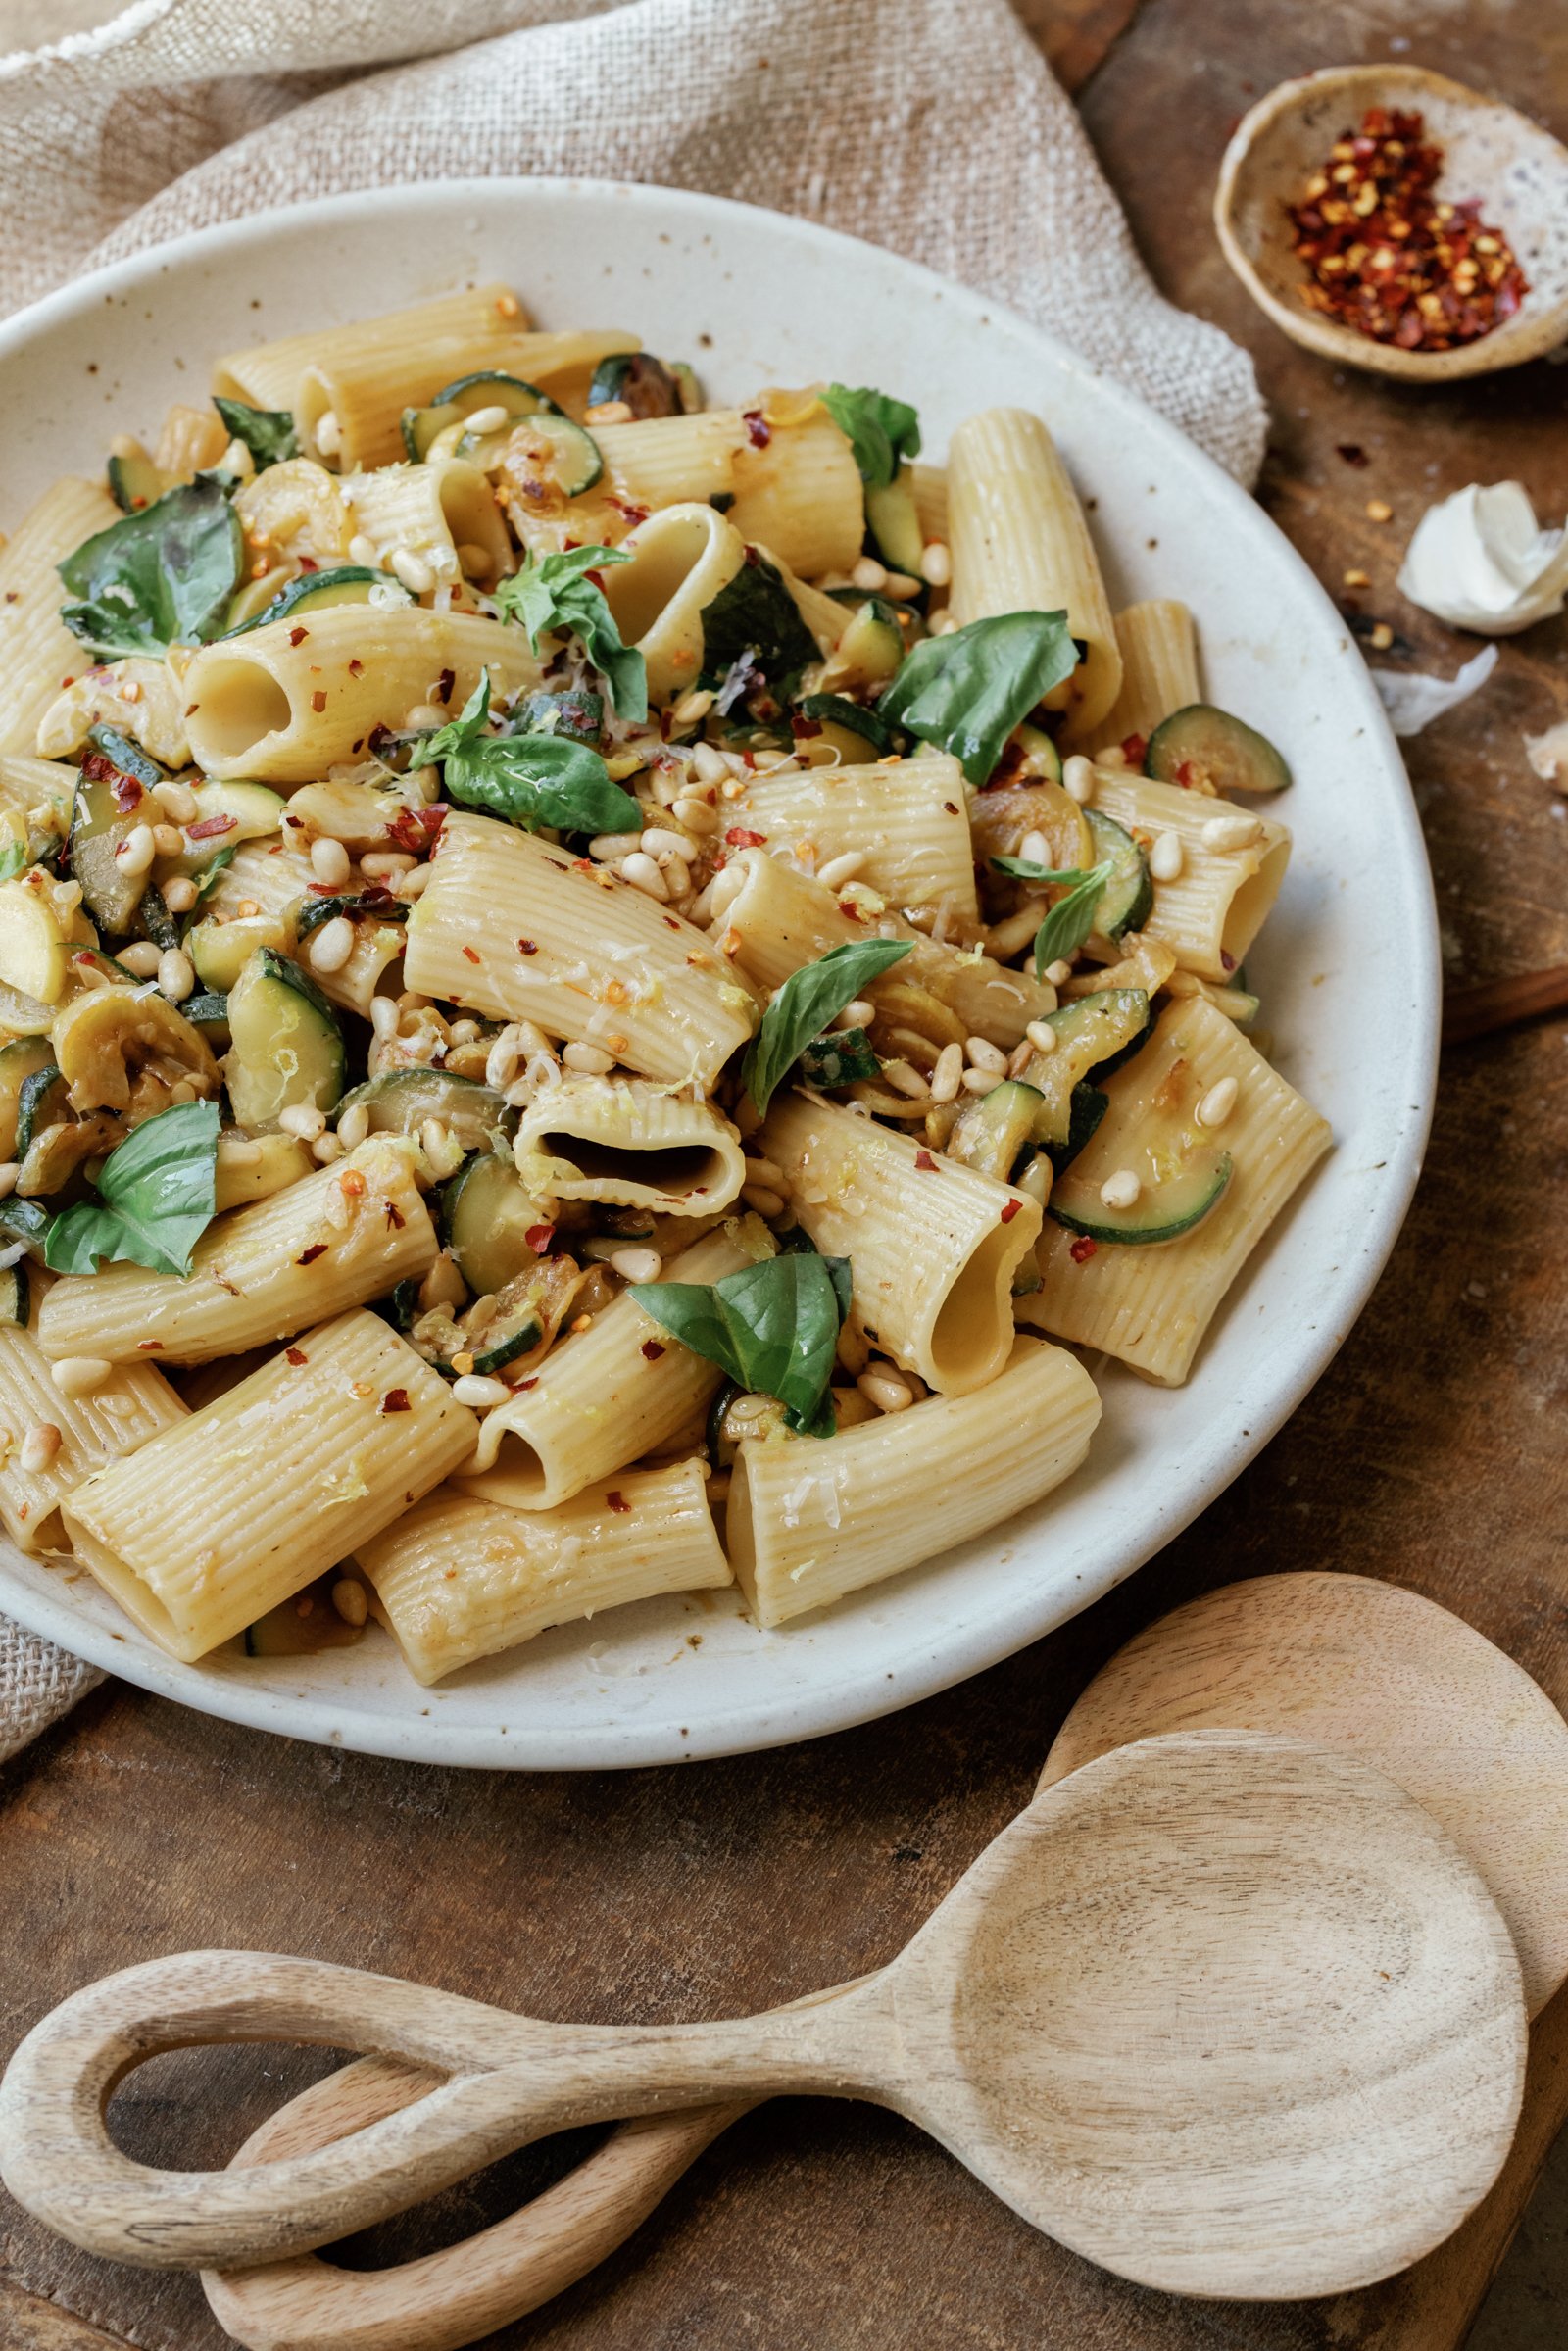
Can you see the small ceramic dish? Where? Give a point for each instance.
(1518, 171)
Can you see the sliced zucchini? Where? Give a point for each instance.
(459, 399)
(287, 1047)
(1128, 896)
(401, 1306)
(871, 647)
(838, 717)
(27, 1221)
(59, 1151)
(1085, 1112)
(486, 1217)
(32, 950)
(1092, 1032)
(104, 1038)
(15, 1293)
(400, 1100)
(993, 1131)
(894, 525)
(1204, 747)
(20, 1060)
(313, 913)
(315, 591)
(1038, 759)
(208, 1013)
(1167, 1206)
(552, 450)
(647, 386)
(134, 481)
(156, 920)
(840, 1057)
(220, 951)
(250, 812)
(115, 778)
(735, 1414)
(514, 1329)
(45, 1099)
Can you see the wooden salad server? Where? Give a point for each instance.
(1343, 1660)
(1225, 2012)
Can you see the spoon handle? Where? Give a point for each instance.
(511, 2079)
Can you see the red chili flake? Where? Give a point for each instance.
(471, 954)
(528, 946)
(847, 905)
(208, 828)
(525, 1385)
(1352, 453)
(395, 1216)
(1388, 256)
(804, 728)
(952, 807)
(740, 836)
(308, 562)
(356, 668)
(925, 1163)
(296, 1354)
(13, 595)
(444, 685)
(670, 923)
(415, 829)
(539, 1236)
(1134, 748)
(147, 1346)
(191, 708)
(1010, 1211)
(318, 1248)
(1229, 961)
(124, 790)
(396, 1399)
(616, 1500)
(318, 700)
(297, 636)
(653, 1348)
(758, 431)
(1082, 1250)
(583, 866)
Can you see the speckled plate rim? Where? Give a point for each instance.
(639, 1688)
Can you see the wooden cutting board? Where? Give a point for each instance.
(1430, 1453)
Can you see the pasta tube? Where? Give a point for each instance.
(459, 1579)
(286, 701)
(812, 1519)
(518, 929)
(613, 1394)
(1020, 544)
(905, 818)
(347, 1233)
(677, 562)
(796, 489)
(1211, 914)
(623, 1141)
(37, 651)
(933, 1245)
(1150, 1307)
(70, 1435)
(1158, 669)
(227, 1514)
(267, 375)
(351, 407)
(430, 511)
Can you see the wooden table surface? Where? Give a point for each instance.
(1430, 1453)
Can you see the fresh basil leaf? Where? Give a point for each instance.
(13, 857)
(575, 713)
(210, 873)
(808, 1000)
(1024, 869)
(967, 691)
(772, 1326)
(161, 576)
(551, 592)
(844, 1058)
(267, 432)
(159, 1195)
(528, 780)
(1071, 920)
(754, 618)
(882, 432)
(858, 716)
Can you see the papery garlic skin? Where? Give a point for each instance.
(1480, 560)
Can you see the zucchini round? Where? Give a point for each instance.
(20, 1060)
(1128, 898)
(287, 1048)
(15, 1293)
(400, 1100)
(43, 1101)
(647, 386)
(557, 450)
(894, 525)
(486, 1217)
(134, 481)
(1204, 748)
(1092, 1032)
(1163, 1211)
(488, 388)
(991, 1130)
(313, 591)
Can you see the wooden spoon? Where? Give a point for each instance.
(1341, 1659)
(1226, 2013)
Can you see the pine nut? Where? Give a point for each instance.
(180, 894)
(480, 1392)
(607, 847)
(710, 763)
(1123, 1189)
(349, 1600)
(935, 564)
(1058, 973)
(724, 889)
(1078, 780)
(1035, 849)
(886, 1391)
(328, 432)
(979, 1081)
(354, 1126)
(693, 707)
(1167, 857)
(501, 1061)
(443, 1284)
(167, 840)
(868, 575)
(440, 1146)
(589, 1060)
(176, 974)
(763, 1200)
(384, 1018)
(1111, 755)
(494, 419)
(40, 1446)
(303, 1122)
(177, 802)
(1036, 1179)
(79, 1375)
(765, 1171)
(659, 844)
(135, 854)
(477, 560)
(983, 1054)
(365, 552)
(637, 1264)
(331, 946)
(948, 1075)
(906, 1080)
(1218, 1104)
(1231, 832)
(900, 586)
(383, 864)
(858, 1014)
(1021, 1057)
(323, 1150)
(329, 862)
(677, 876)
(423, 717)
(1042, 1035)
(142, 957)
(696, 815)
(412, 571)
(644, 874)
(839, 871)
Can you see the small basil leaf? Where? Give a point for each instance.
(13, 857)
(553, 592)
(772, 1326)
(267, 432)
(882, 432)
(210, 873)
(528, 780)
(1071, 920)
(754, 618)
(159, 1195)
(841, 1059)
(858, 716)
(803, 1008)
(967, 691)
(158, 578)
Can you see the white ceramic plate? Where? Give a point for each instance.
(1347, 967)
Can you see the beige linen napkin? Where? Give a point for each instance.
(930, 126)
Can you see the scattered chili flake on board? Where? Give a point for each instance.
(1352, 453)
(396, 1399)
(1083, 1247)
(1388, 256)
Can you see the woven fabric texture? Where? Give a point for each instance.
(931, 126)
